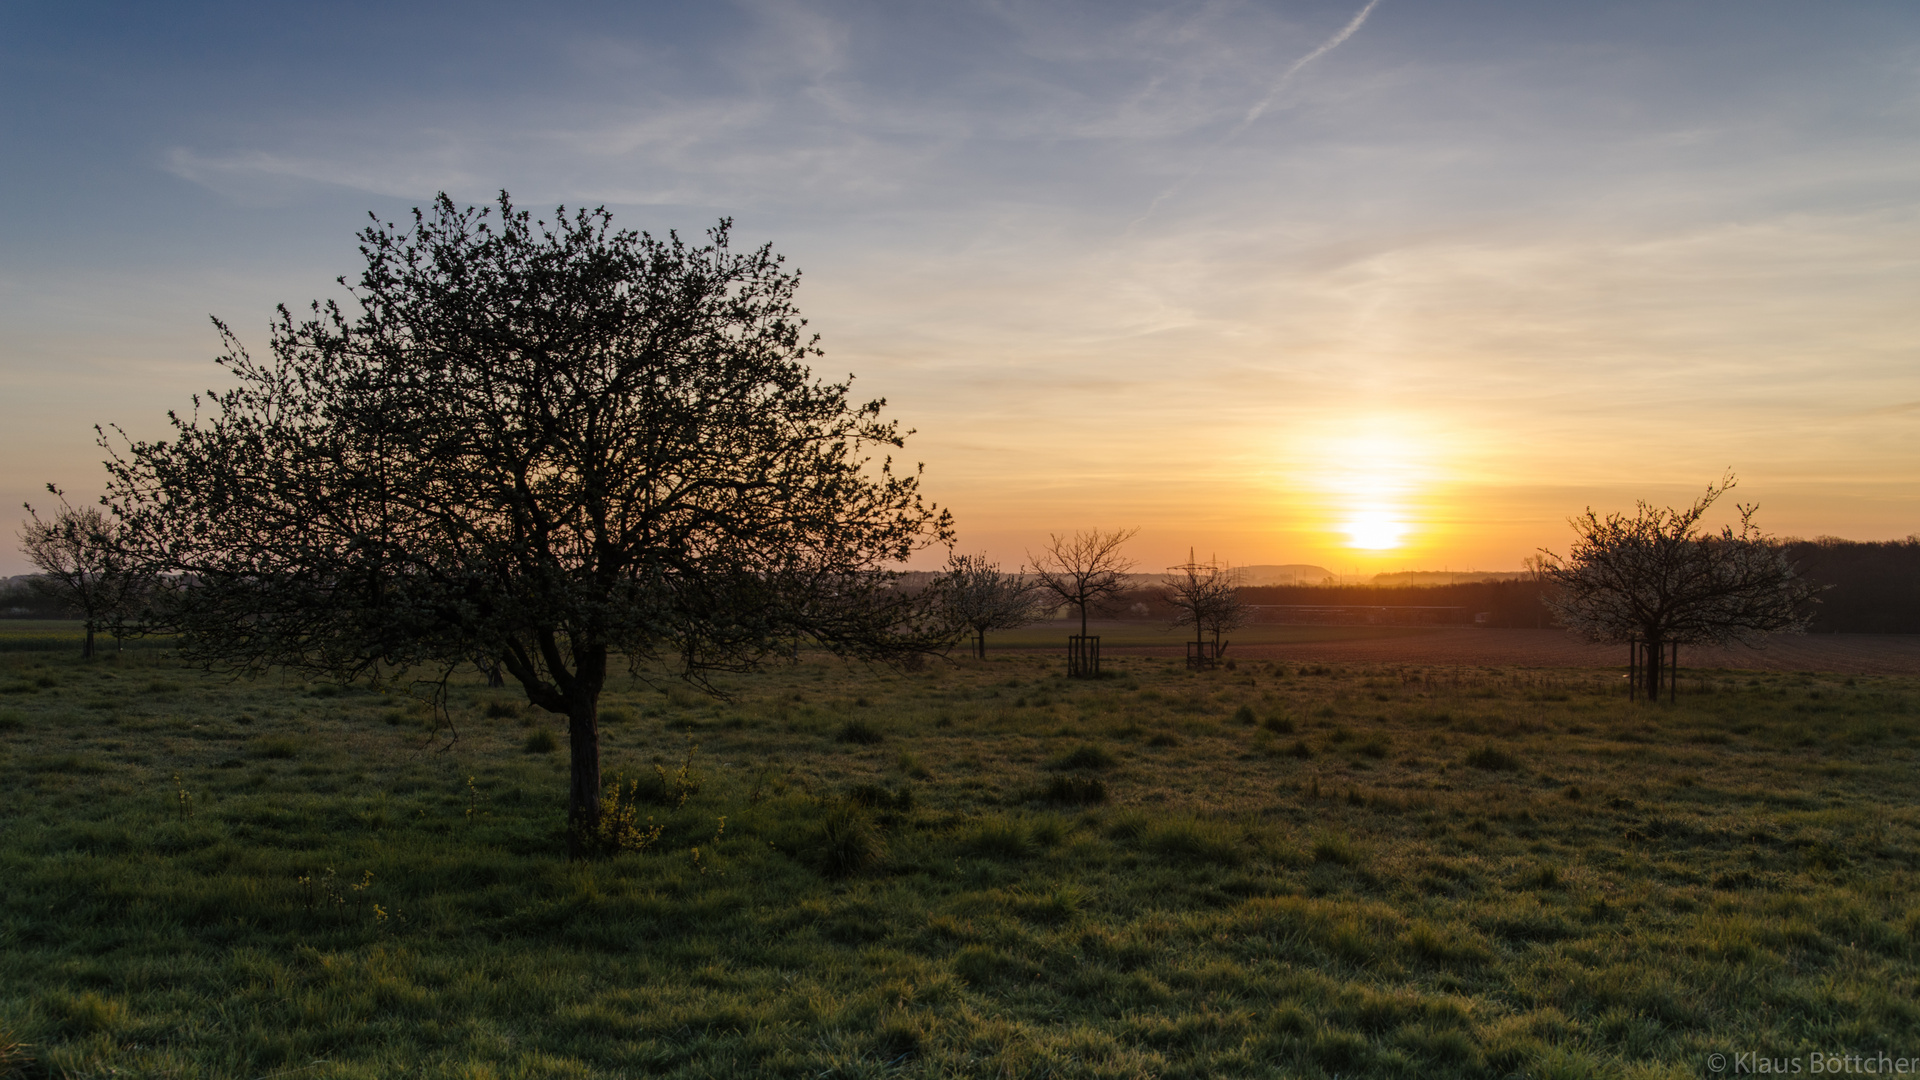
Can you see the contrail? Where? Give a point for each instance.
(1326, 47)
(1264, 103)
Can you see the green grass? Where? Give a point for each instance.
(45, 635)
(1467, 873)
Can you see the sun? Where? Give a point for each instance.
(1374, 475)
(1374, 530)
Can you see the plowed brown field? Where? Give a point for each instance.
(1852, 654)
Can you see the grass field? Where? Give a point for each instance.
(58, 635)
(977, 869)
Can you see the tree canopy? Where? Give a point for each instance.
(84, 566)
(547, 445)
(975, 596)
(1658, 578)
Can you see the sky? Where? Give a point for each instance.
(1402, 284)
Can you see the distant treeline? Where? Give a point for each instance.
(20, 600)
(1872, 588)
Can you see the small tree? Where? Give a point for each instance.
(1658, 579)
(1206, 597)
(1082, 568)
(974, 595)
(554, 447)
(83, 565)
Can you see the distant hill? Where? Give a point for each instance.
(1446, 577)
(1285, 574)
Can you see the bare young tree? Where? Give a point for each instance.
(974, 595)
(1082, 568)
(1205, 596)
(83, 564)
(1657, 578)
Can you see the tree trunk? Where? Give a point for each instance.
(1654, 651)
(980, 644)
(583, 738)
(86, 650)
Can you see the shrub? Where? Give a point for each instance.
(1087, 757)
(858, 731)
(619, 828)
(541, 742)
(1493, 759)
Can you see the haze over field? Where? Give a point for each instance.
(1372, 287)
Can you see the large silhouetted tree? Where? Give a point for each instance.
(1656, 577)
(551, 445)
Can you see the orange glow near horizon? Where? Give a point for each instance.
(1373, 482)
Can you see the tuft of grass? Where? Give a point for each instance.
(858, 732)
(1196, 840)
(1336, 849)
(997, 838)
(1244, 715)
(1086, 758)
(1278, 724)
(540, 742)
(1074, 790)
(1493, 759)
(879, 797)
(501, 710)
(276, 747)
(848, 841)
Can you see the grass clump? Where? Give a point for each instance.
(1074, 790)
(848, 842)
(1493, 759)
(858, 732)
(1086, 758)
(540, 741)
